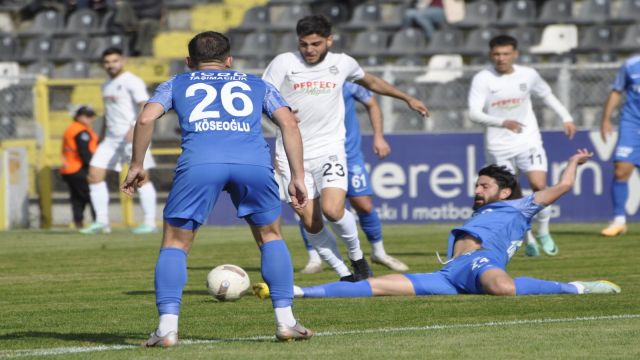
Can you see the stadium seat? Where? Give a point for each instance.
(525, 58)
(526, 36)
(255, 18)
(630, 39)
(257, 43)
(46, 22)
(289, 42)
(557, 39)
(101, 43)
(477, 42)
(517, 13)
(16, 100)
(8, 47)
(369, 43)
(171, 45)
(408, 41)
(37, 49)
(288, 18)
(73, 48)
(596, 38)
(410, 61)
(9, 72)
(601, 57)
(445, 41)
(391, 15)
(6, 23)
(479, 13)
(40, 68)
(556, 12)
(216, 17)
(593, 11)
(82, 21)
(365, 15)
(628, 12)
(72, 70)
(442, 69)
(340, 42)
(337, 13)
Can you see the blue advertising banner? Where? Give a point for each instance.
(431, 177)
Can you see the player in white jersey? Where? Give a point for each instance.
(311, 82)
(123, 94)
(500, 99)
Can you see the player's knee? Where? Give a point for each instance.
(501, 288)
(362, 207)
(622, 173)
(333, 213)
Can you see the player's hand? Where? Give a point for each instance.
(513, 125)
(136, 177)
(581, 156)
(381, 147)
(298, 193)
(606, 129)
(569, 129)
(418, 106)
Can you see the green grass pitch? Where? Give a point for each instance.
(67, 296)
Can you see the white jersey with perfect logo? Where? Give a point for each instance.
(508, 97)
(121, 96)
(315, 91)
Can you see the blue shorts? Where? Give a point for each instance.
(359, 181)
(628, 146)
(195, 190)
(460, 276)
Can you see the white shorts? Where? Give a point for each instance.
(112, 153)
(532, 159)
(326, 171)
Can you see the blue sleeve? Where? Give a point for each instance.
(360, 93)
(526, 206)
(619, 84)
(273, 100)
(164, 95)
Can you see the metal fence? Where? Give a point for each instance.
(16, 108)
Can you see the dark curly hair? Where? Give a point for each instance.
(504, 178)
(313, 24)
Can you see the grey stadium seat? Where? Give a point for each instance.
(72, 70)
(8, 47)
(366, 15)
(82, 21)
(593, 11)
(46, 22)
(630, 39)
(445, 41)
(37, 49)
(73, 48)
(40, 68)
(628, 12)
(479, 13)
(257, 43)
(556, 12)
(477, 42)
(257, 17)
(101, 43)
(288, 19)
(517, 13)
(369, 43)
(408, 41)
(596, 38)
(526, 36)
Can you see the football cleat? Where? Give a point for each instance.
(614, 230)
(390, 262)
(144, 229)
(171, 339)
(361, 269)
(599, 287)
(291, 333)
(96, 228)
(548, 245)
(312, 267)
(531, 248)
(261, 290)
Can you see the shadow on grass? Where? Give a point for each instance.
(152, 292)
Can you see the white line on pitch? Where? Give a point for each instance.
(9, 354)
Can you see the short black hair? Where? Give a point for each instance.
(503, 40)
(313, 24)
(209, 46)
(84, 110)
(504, 178)
(111, 51)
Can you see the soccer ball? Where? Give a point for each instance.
(228, 282)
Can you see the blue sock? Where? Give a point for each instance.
(531, 286)
(277, 272)
(339, 289)
(170, 279)
(619, 194)
(370, 223)
(307, 244)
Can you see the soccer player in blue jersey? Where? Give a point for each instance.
(223, 149)
(627, 153)
(479, 250)
(359, 190)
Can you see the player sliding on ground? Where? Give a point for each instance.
(479, 250)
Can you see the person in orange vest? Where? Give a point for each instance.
(79, 142)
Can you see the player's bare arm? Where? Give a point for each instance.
(513, 125)
(142, 133)
(553, 193)
(606, 129)
(380, 145)
(382, 87)
(288, 124)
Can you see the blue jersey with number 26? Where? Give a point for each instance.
(220, 113)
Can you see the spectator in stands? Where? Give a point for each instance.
(30, 10)
(79, 142)
(99, 6)
(142, 19)
(427, 14)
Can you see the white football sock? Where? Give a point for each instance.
(284, 315)
(99, 194)
(297, 292)
(148, 203)
(620, 220)
(325, 245)
(168, 323)
(377, 249)
(543, 221)
(347, 230)
(314, 257)
(578, 286)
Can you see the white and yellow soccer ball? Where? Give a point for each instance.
(228, 282)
